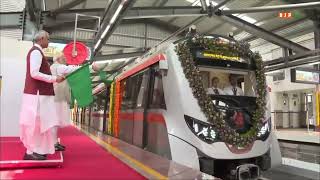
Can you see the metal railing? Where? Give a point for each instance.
(301, 114)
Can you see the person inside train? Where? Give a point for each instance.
(215, 89)
(233, 88)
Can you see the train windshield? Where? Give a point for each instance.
(229, 82)
(233, 91)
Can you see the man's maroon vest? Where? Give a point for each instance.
(32, 86)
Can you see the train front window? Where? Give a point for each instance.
(228, 82)
(233, 92)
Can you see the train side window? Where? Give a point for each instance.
(157, 98)
(127, 93)
(143, 89)
(124, 99)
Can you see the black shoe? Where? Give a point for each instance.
(44, 155)
(59, 147)
(34, 156)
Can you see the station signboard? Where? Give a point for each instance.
(303, 75)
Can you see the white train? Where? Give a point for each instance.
(153, 107)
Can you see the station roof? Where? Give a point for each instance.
(160, 18)
(142, 24)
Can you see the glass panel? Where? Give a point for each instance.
(143, 90)
(233, 91)
(131, 87)
(157, 99)
(231, 82)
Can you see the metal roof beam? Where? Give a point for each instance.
(181, 29)
(282, 27)
(309, 5)
(106, 9)
(294, 63)
(111, 21)
(31, 7)
(122, 53)
(291, 58)
(159, 12)
(83, 23)
(264, 34)
(204, 5)
(160, 3)
(156, 22)
(71, 11)
(68, 5)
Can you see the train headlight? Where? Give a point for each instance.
(204, 131)
(265, 130)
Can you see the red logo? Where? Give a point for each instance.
(238, 119)
(285, 15)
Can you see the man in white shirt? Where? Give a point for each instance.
(214, 89)
(233, 89)
(38, 116)
(62, 94)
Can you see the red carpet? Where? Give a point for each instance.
(12, 152)
(83, 159)
(11, 148)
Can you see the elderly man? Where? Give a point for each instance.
(38, 116)
(62, 94)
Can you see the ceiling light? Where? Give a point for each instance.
(105, 31)
(110, 61)
(116, 14)
(314, 63)
(98, 43)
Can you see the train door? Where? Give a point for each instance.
(140, 125)
(131, 108)
(308, 108)
(157, 140)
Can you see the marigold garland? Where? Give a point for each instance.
(111, 108)
(192, 73)
(116, 112)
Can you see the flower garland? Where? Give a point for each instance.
(111, 107)
(214, 116)
(117, 105)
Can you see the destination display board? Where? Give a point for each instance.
(210, 55)
(310, 76)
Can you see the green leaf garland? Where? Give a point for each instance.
(214, 116)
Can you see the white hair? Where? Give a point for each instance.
(40, 34)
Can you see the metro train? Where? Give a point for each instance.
(152, 105)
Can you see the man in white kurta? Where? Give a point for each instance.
(62, 93)
(38, 116)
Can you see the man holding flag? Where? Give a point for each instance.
(38, 116)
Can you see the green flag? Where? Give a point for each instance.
(80, 85)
